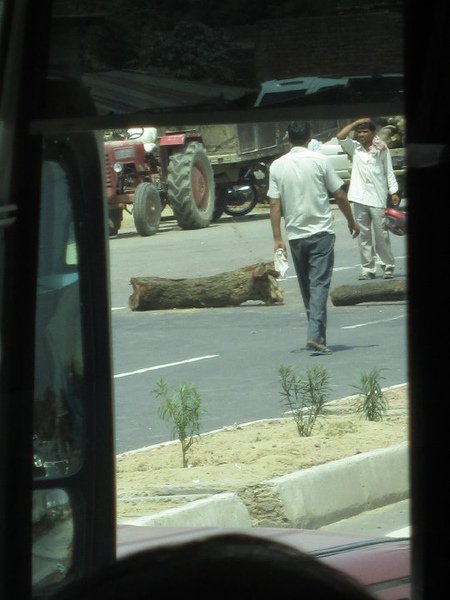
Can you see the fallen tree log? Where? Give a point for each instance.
(386, 290)
(254, 282)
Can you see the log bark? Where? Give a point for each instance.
(372, 291)
(254, 282)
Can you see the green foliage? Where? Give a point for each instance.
(304, 395)
(148, 34)
(186, 51)
(183, 410)
(371, 403)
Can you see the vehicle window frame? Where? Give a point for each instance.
(427, 111)
(79, 156)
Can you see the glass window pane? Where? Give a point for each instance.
(223, 352)
(52, 537)
(58, 422)
(149, 57)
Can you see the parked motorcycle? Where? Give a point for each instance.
(240, 198)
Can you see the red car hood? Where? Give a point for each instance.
(380, 563)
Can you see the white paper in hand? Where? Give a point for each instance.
(280, 261)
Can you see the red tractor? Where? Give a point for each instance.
(144, 173)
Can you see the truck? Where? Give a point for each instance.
(240, 155)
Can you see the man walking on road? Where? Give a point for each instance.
(300, 183)
(371, 181)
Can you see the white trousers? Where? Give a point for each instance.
(374, 241)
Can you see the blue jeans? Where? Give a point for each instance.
(313, 259)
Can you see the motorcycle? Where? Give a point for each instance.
(241, 197)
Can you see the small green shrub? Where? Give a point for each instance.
(184, 411)
(304, 395)
(371, 403)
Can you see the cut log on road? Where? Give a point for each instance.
(254, 282)
(385, 290)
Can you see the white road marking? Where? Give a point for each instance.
(173, 364)
(346, 268)
(405, 532)
(373, 322)
(336, 269)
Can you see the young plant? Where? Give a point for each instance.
(304, 395)
(371, 403)
(184, 412)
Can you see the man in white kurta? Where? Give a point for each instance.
(372, 181)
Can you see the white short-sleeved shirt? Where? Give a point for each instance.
(372, 175)
(303, 180)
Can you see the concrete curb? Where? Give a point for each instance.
(343, 488)
(220, 510)
(310, 498)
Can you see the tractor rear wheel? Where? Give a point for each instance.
(190, 182)
(146, 209)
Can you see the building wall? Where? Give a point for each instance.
(351, 44)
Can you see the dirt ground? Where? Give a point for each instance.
(152, 480)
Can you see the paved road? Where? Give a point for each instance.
(232, 354)
(392, 520)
